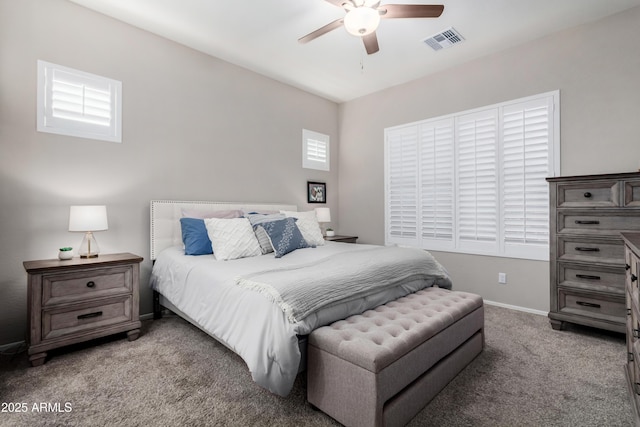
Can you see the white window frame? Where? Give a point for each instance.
(410, 205)
(316, 152)
(75, 103)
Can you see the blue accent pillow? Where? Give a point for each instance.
(194, 236)
(285, 236)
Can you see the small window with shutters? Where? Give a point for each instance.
(75, 103)
(315, 150)
(474, 182)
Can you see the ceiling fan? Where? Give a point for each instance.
(363, 17)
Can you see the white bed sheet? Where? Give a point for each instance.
(246, 321)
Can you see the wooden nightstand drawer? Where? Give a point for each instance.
(79, 286)
(83, 317)
(589, 194)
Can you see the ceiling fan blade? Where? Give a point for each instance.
(321, 31)
(371, 43)
(410, 10)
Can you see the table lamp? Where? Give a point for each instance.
(324, 216)
(88, 219)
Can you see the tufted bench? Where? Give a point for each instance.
(383, 366)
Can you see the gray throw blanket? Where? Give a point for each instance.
(301, 290)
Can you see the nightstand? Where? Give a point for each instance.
(81, 299)
(343, 239)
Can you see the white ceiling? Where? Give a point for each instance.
(262, 35)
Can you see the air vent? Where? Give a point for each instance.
(444, 39)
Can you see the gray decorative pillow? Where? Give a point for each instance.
(284, 236)
(260, 218)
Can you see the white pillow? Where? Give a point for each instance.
(308, 225)
(232, 238)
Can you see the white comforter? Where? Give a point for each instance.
(246, 321)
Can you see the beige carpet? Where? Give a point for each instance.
(174, 375)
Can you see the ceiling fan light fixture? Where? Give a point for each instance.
(361, 21)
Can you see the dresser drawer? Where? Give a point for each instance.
(585, 249)
(599, 307)
(632, 323)
(597, 223)
(80, 318)
(81, 285)
(632, 194)
(589, 194)
(594, 278)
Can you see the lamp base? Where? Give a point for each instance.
(89, 247)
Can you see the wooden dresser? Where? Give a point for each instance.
(632, 368)
(587, 262)
(81, 299)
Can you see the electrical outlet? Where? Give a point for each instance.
(502, 278)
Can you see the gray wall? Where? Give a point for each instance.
(194, 128)
(596, 67)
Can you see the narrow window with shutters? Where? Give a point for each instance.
(75, 103)
(402, 186)
(474, 182)
(315, 150)
(477, 174)
(437, 183)
(526, 153)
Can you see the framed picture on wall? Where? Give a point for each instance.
(316, 192)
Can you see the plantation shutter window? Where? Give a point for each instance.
(475, 182)
(437, 182)
(75, 103)
(402, 186)
(527, 149)
(315, 150)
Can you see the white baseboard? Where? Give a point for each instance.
(517, 308)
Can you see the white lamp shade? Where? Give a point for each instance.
(88, 218)
(361, 21)
(323, 214)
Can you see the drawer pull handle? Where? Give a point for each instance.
(91, 284)
(635, 333)
(587, 276)
(627, 266)
(589, 304)
(629, 357)
(90, 315)
(634, 277)
(587, 222)
(578, 248)
(587, 195)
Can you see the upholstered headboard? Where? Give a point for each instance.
(166, 214)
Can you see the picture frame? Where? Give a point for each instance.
(316, 192)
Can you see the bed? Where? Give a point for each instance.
(253, 304)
